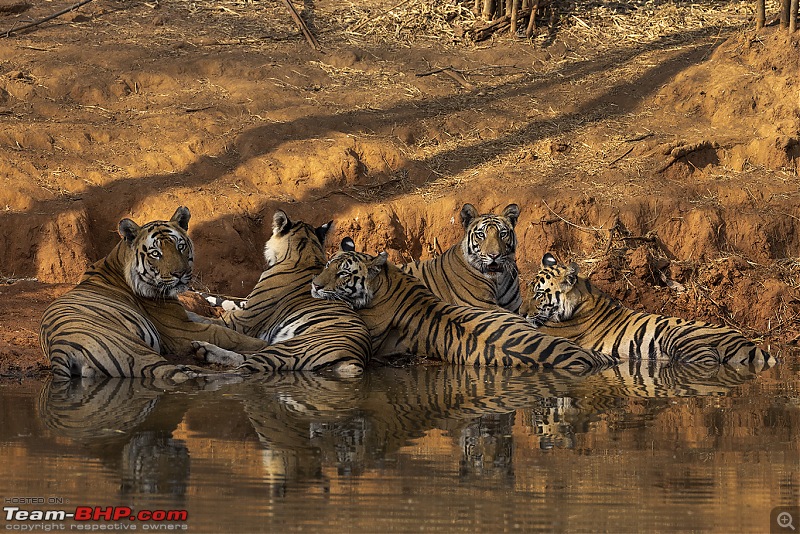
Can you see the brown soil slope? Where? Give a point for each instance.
(666, 166)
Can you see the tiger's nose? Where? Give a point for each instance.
(315, 287)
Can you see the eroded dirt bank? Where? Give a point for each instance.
(667, 169)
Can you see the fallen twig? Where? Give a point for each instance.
(434, 71)
(459, 79)
(639, 137)
(8, 32)
(453, 73)
(622, 156)
(303, 28)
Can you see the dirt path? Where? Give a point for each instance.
(664, 163)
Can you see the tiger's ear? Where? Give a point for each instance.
(280, 223)
(468, 212)
(548, 260)
(322, 232)
(181, 216)
(374, 267)
(511, 212)
(571, 276)
(347, 245)
(128, 230)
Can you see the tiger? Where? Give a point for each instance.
(124, 315)
(563, 303)
(481, 269)
(396, 306)
(304, 333)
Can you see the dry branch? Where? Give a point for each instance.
(303, 28)
(502, 23)
(8, 32)
(459, 79)
(531, 29)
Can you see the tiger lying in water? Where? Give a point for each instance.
(481, 269)
(395, 304)
(304, 333)
(564, 303)
(124, 314)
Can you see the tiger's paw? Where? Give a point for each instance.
(210, 353)
(191, 371)
(348, 370)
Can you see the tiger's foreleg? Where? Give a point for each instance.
(178, 332)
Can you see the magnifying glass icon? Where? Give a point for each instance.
(785, 520)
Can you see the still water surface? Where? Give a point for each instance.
(635, 448)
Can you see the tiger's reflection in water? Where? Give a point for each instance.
(310, 425)
(127, 424)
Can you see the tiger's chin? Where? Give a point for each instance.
(162, 290)
(492, 270)
(353, 303)
(535, 321)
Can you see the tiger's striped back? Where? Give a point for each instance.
(481, 269)
(395, 305)
(564, 303)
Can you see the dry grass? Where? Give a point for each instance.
(604, 23)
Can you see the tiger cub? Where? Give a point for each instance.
(303, 332)
(124, 314)
(394, 304)
(564, 303)
(481, 269)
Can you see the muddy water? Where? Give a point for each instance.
(433, 449)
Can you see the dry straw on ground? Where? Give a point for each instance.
(606, 23)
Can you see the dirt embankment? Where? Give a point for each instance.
(667, 170)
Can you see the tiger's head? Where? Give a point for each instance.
(552, 295)
(288, 236)
(159, 264)
(490, 243)
(350, 277)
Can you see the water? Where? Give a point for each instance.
(426, 449)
